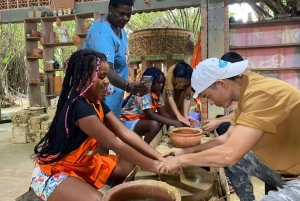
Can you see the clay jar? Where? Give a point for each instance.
(185, 137)
(148, 190)
(34, 33)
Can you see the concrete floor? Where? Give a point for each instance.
(16, 167)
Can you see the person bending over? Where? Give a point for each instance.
(68, 166)
(146, 115)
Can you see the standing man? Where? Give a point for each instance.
(107, 35)
(266, 121)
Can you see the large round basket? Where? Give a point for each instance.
(157, 41)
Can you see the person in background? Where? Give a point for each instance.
(146, 115)
(67, 165)
(222, 122)
(139, 75)
(264, 136)
(107, 35)
(178, 92)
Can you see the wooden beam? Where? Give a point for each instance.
(101, 7)
(245, 1)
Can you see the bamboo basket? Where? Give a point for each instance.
(168, 41)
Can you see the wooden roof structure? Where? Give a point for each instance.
(17, 10)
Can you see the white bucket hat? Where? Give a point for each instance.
(210, 70)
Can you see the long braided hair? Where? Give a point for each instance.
(155, 73)
(80, 66)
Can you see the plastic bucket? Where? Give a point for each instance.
(196, 116)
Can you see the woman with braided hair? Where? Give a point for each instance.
(67, 165)
(145, 115)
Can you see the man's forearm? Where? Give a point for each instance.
(210, 144)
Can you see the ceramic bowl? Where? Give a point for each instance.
(148, 190)
(185, 137)
(34, 81)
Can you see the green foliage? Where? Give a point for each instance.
(12, 54)
(231, 14)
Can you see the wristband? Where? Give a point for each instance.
(126, 86)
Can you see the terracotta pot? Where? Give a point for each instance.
(34, 81)
(185, 137)
(34, 33)
(148, 190)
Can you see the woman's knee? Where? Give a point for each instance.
(73, 189)
(123, 168)
(154, 126)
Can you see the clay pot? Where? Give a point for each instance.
(34, 33)
(37, 52)
(34, 81)
(76, 40)
(42, 41)
(143, 190)
(185, 137)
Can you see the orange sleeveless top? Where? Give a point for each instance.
(154, 107)
(84, 162)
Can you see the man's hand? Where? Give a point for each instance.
(211, 125)
(137, 88)
(170, 166)
(159, 164)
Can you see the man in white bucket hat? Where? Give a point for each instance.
(265, 121)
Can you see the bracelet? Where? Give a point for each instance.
(126, 86)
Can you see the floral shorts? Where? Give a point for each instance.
(42, 189)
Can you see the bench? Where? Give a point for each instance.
(29, 196)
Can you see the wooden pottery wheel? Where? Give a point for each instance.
(194, 183)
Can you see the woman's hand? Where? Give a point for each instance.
(174, 152)
(193, 121)
(184, 120)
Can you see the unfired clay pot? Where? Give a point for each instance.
(147, 190)
(185, 137)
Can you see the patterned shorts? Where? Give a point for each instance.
(39, 178)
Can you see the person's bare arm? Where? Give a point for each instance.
(201, 147)
(186, 107)
(214, 123)
(176, 111)
(133, 87)
(226, 154)
(93, 127)
(154, 116)
(130, 137)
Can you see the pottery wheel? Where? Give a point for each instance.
(194, 183)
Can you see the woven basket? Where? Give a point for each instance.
(161, 41)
